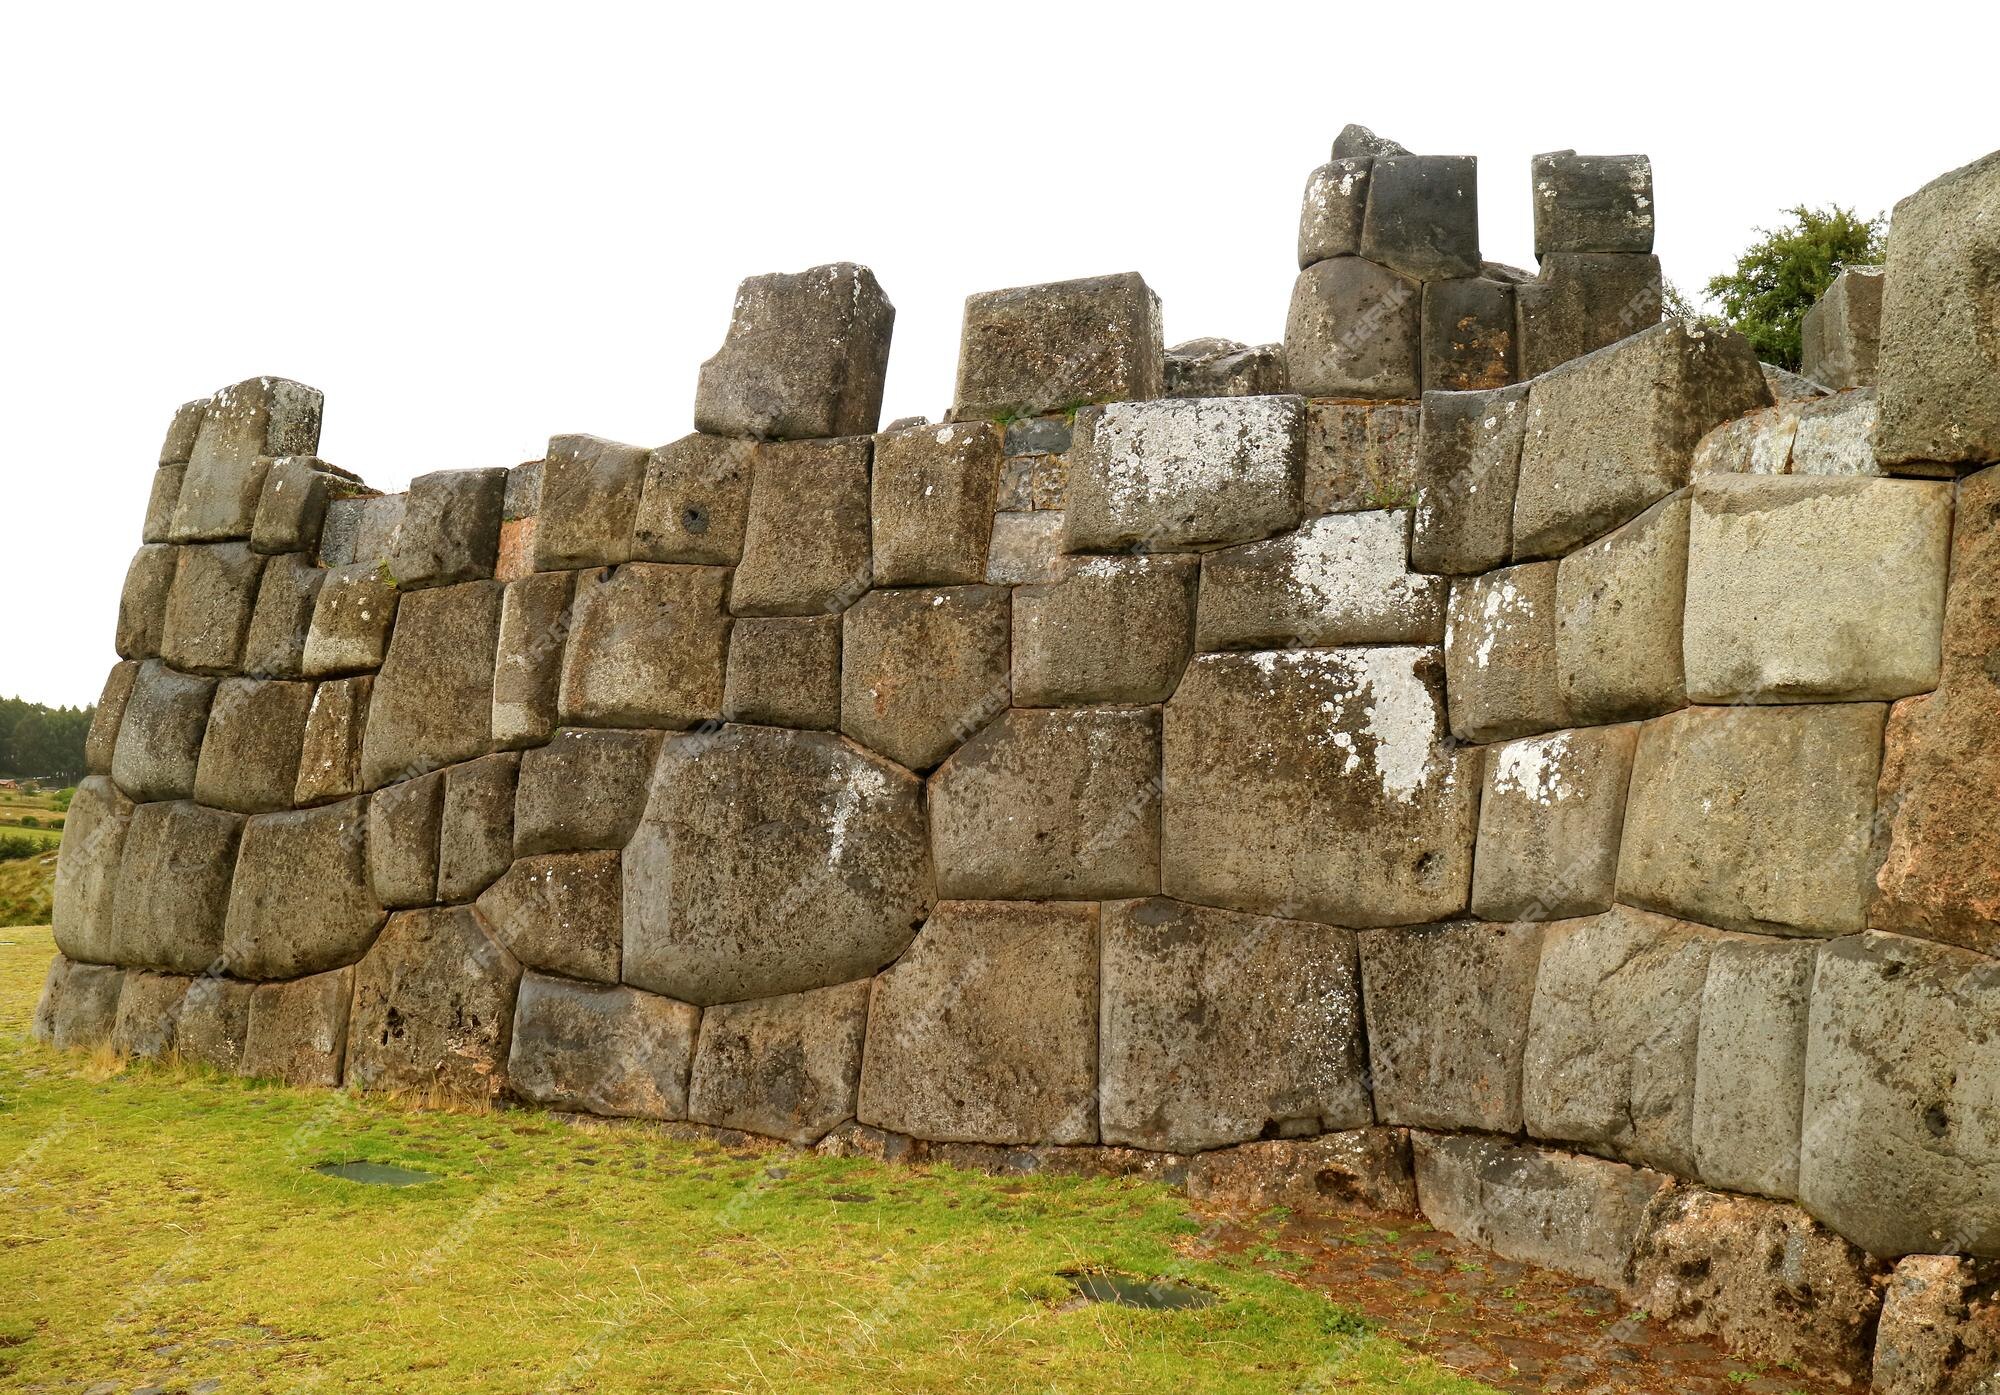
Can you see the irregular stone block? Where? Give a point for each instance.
(1620, 605)
(1331, 215)
(561, 913)
(1593, 203)
(291, 510)
(1468, 334)
(1841, 335)
(101, 743)
(433, 700)
(451, 528)
(932, 501)
(330, 760)
(783, 1067)
(584, 790)
(1355, 140)
(301, 902)
(1109, 629)
(1940, 1328)
(83, 1012)
(1755, 819)
(1026, 548)
(404, 823)
(214, 1024)
(516, 557)
(695, 502)
(142, 605)
(1330, 756)
(1573, 1214)
(1364, 1170)
(1220, 1027)
(161, 503)
(1049, 435)
(433, 1008)
(1157, 476)
(1939, 362)
(1759, 443)
(149, 1013)
(1341, 579)
(1836, 436)
(921, 670)
(1360, 456)
(1467, 459)
(242, 428)
(784, 672)
(1423, 215)
(1549, 825)
(648, 646)
(476, 834)
(86, 887)
(1582, 302)
(1805, 590)
(601, 1050)
(208, 610)
(1500, 654)
(1787, 386)
(986, 1030)
(159, 742)
(1897, 1148)
(1223, 368)
(1750, 1064)
(769, 862)
(1033, 350)
(341, 530)
(1611, 434)
(298, 1030)
(1051, 803)
(250, 757)
(535, 622)
(806, 355)
(182, 431)
(375, 533)
(1353, 330)
(590, 501)
(275, 644)
(173, 886)
(352, 618)
(805, 548)
(1447, 1009)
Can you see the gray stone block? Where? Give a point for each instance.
(535, 620)
(923, 669)
(806, 356)
(159, 742)
(1360, 456)
(86, 886)
(1107, 630)
(101, 743)
(330, 760)
(1836, 435)
(1500, 654)
(560, 913)
(1549, 825)
(275, 644)
(1423, 215)
(404, 822)
(242, 428)
(1468, 334)
(1331, 214)
(298, 1030)
(380, 520)
(1026, 548)
(300, 902)
(1468, 458)
(1032, 350)
(291, 510)
(932, 503)
(590, 501)
(1593, 203)
(214, 1024)
(149, 1014)
(1355, 140)
(786, 1067)
(208, 610)
(341, 530)
(647, 647)
(805, 548)
(1354, 330)
(451, 528)
(784, 672)
(352, 617)
(182, 431)
(142, 604)
(1619, 619)
(601, 1050)
(476, 835)
(250, 757)
(1335, 1174)
(1223, 368)
(433, 1008)
(695, 501)
(584, 790)
(84, 1010)
(1340, 579)
(173, 886)
(161, 503)
(1841, 336)
(1750, 1064)
(433, 700)
(1582, 302)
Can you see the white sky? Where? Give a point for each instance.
(475, 226)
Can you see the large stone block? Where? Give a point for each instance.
(215, 1024)
(1032, 350)
(208, 611)
(1447, 1009)
(805, 548)
(173, 886)
(288, 594)
(1836, 436)
(1360, 456)
(647, 647)
(1026, 547)
(1225, 368)
(1593, 203)
(404, 823)
(1500, 654)
(601, 1050)
(1468, 334)
(695, 502)
(352, 617)
(932, 501)
(298, 1030)
(1940, 1328)
(1288, 773)
(1220, 1027)
(1613, 432)
(1814, 590)
(242, 427)
(1581, 302)
(1755, 819)
(986, 1030)
(1467, 459)
(451, 528)
(1899, 1148)
(250, 757)
(784, 671)
(1750, 1064)
(86, 888)
(1108, 629)
(806, 355)
(149, 1014)
(921, 670)
(1338, 1174)
(161, 501)
(1185, 473)
(584, 790)
(381, 518)
(79, 1009)
(476, 829)
(1354, 330)
(1841, 336)
(159, 742)
(330, 762)
(561, 913)
(433, 700)
(1332, 212)
(1939, 364)
(433, 1008)
(1423, 215)
(590, 500)
(100, 745)
(142, 603)
(1549, 825)
(1058, 803)
(291, 510)
(769, 862)
(301, 901)
(1340, 579)
(535, 621)
(786, 1067)
(1620, 607)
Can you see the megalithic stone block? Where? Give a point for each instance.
(301, 902)
(451, 528)
(142, 605)
(590, 502)
(242, 429)
(330, 763)
(535, 619)
(805, 546)
(291, 511)
(784, 671)
(433, 700)
(561, 913)
(208, 610)
(1593, 203)
(159, 742)
(1330, 220)
(1468, 461)
(583, 791)
(297, 1031)
(173, 886)
(647, 647)
(1354, 330)
(1225, 368)
(1581, 302)
(86, 888)
(932, 500)
(784, 1067)
(602, 1050)
(250, 757)
(1357, 140)
(182, 432)
(922, 669)
(806, 356)
(102, 742)
(1360, 456)
(280, 624)
(353, 612)
(695, 501)
(433, 1007)
(1619, 619)
(1423, 215)
(1500, 654)
(1841, 336)
(1035, 350)
(1468, 334)
(1107, 630)
(1341, 579)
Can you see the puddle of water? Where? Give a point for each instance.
(375, 1174)
(1128, 1292)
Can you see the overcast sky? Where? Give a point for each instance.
(477, 226)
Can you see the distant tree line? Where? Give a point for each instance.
(38, 741)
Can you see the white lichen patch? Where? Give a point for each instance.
(862, 785)
(1184, 457)
(1535, 769)
(1348, 567)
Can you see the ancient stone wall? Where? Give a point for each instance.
(1580, 778)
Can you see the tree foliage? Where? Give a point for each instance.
(1786, 269)
(42, 741)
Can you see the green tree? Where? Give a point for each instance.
(1786, 269)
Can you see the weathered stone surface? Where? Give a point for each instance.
(291, 510)
(173, 886)
(1355, 140)
(208, 610)
(1787, 386)
(1340, 579)
(149, 1014)
(986, 1030)
(1468, 334)
(298, 1030)
(647, 647)
(932, 500)
(1223, 368)
(476, 835)
(1898, 1149)
(1750, 1064)
(1940, 1328)
(214, 1023)
(1468, 456)
(300, 902)
(560, 913)
(275, 644)
(433, 700)
(1332, 212)
(582, 791)
(242, 428)
(433, 1008)
(1581, 302)
(352, 617)
(1549, 825)
(1574, 1214)
(1109, 629)
(1058, 803)
(1836, 435)
(1763, 1277)
(1620, 605)
(161, 502)
(1447, 1013)
(451, 528)
(695, 502)
(805, 548)
(1353, 330)
(1360, 456)
(142, 604)
(101, 743)
(1593, 203)
(1287, 774)
(1423, 215)
(341, 530)
(516, 557)
(921, 670)
(1841, 336)
(1044, 435)
(1184, 473)
(1806, 590)
(535, 622)
(784, 1067)
(601, 1050)
(1500, 654)
(1220, 1027)
(1614, 432)
(86, 887)
(1032, 350)
(805, 356)
(79, 1011)
(590, 498)
(769, 862)
(1939, 363)
(1026, 548)
(1364, 1170)
(330, 760)
(250, 757)
(1755, 819)
(1758, 443)
(159, 742)
(784, 672)
(375, 532)
(182, 432)
(404, 821)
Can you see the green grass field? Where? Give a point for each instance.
(163, 1226)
